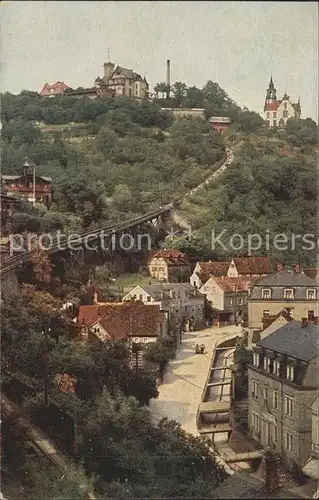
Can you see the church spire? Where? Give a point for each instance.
(271, 94)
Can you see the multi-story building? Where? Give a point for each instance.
(170, 266)
(184, 304)
(282, 385)
(227, 298)
(124, 82)
(30, 186)
(288, 289)
(54, 89)
(278, 111)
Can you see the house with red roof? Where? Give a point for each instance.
(54, 89)
(171, 266)
(131, 322)
(278, 111)
(247, 267)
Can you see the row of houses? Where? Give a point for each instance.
(246, 289)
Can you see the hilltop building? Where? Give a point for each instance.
(278, 111)
(220, 123)
(54, 89)
(125, 82)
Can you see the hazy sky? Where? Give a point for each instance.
(237, 44)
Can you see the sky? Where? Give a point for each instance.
(239, 45)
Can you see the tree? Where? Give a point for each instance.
(179, 91)
(160, 353)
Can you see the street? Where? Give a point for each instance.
(181, 392)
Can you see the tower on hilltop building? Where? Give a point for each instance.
(277, 112)
(271, 94)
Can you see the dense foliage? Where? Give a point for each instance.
(108, 158)
(116, 439)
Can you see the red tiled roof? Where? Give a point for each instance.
(214, 268)
(253, 265)
(57, 87)
(171, 257)
(311, 272)
(232, 284)
(123, 319)
(272, 106)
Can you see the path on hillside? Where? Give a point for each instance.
(178, 219)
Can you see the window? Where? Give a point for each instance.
(288, 441)
(230, 302)
(268, 114)
(141, 297)
(274, 114)
(288, 293)
(134, 296)
(240, 301)
(266, 312)
(266, 393)
(285, 113)
(285, 105)
(148, 299)
(174, 295)
(256, 359)
(275, 434)
(275, 400)
(290, 373)
(267, 364)
(311, 294)
(255, 389)
(276, 367)
(288, 405)
(266, 293)
(256, 422)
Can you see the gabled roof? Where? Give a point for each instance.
(172, 257)
(229, 285)
(214, 268)
(123, 319)
(127, 73)
(293, 340)
(286, 278)
(253, 265)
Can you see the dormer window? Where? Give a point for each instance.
(276, 367)
(267, 364)
(289, 293)
(290, 373)
(256, 359)
(266, 293)
(311, 294)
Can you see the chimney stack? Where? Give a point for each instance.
(279, 266)
(168, 77)
(296, 268)
(304, 322)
